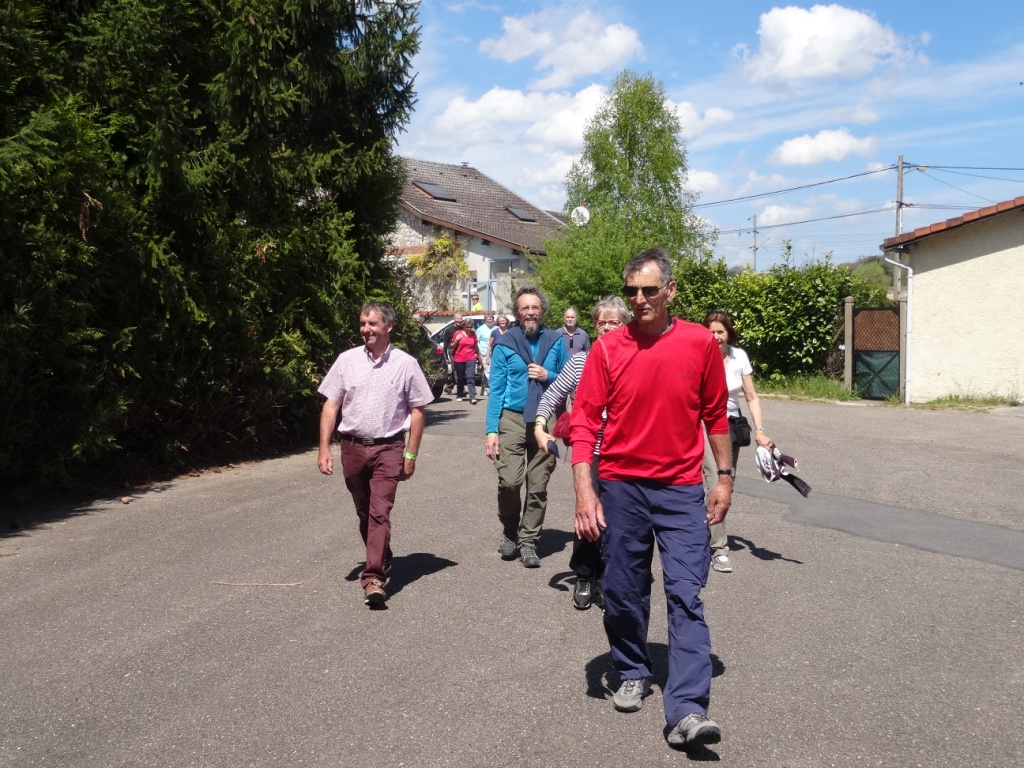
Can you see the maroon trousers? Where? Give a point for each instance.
(371, 474)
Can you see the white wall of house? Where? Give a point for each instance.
(967, 335)
(486, 261)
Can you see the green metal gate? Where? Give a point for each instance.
(876, 352)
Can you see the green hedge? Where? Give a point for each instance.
(787, 319)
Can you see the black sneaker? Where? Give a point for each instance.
(583, 594)
(598, 598)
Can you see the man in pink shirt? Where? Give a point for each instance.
(381, 392)
(662, 382)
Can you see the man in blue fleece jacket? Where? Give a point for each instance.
(524, 361)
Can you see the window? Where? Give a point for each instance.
(520, 213)
(435, 191)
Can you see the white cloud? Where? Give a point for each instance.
(460, 7)
(693, 123)
(566, 118)
(704, 183)
(821, 42)
(860, 115)
(824, 146)
(556, 120)
(782, 214)
(527, 140)
(566, 46)
(756, 182)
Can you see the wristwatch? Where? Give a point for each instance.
(730, 472)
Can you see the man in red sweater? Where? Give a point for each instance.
(662, 383)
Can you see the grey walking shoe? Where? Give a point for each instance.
(695, 728)
(630, 696)
(529, 554)
(507, 548)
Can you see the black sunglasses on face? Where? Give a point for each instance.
(650, 291)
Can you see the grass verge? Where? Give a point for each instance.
(961, 403)
(808, 387)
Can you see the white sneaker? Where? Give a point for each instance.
(694, 729)
(721, 564)
(630, 696)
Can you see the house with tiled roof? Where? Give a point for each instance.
(965, 304)
(497, 229)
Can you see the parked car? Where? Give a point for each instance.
(437, 339)
(434, 366)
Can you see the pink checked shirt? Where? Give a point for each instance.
(376, 398)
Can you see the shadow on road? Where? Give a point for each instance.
(405, 569)
(602, 679)
(552, 541)
(738, 542)
(435, 418)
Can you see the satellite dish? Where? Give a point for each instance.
(580, 216)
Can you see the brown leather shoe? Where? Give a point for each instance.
(374, 594)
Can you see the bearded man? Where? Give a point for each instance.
(524, 361)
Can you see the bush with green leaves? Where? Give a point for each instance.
(787, 319)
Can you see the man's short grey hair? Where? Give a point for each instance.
(387, 312)
(531, 291)
(613, 304)
(656, 256)
(571, 309)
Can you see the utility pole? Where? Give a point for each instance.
(753, 248)
(897, 276)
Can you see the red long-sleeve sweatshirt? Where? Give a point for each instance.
(659, 391)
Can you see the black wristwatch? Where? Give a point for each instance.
(730, 472)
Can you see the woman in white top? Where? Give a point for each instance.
(738, 376)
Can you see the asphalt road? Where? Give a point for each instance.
(218, 621)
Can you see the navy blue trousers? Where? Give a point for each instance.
(638, 514)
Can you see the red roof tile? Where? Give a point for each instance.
(906, 238)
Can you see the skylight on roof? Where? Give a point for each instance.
(520, 213)
(436, 191)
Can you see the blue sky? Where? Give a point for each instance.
(770, 97)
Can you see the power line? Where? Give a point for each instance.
(962, 167)
(884, 208)
(958, 189)
(732, 235)
(977, 175)
(941, 207)
(794, 189)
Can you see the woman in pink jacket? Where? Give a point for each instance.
(464, 357)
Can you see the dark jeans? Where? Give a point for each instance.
(371, 474)
(586, 560)
(639, 515)
(464, 374)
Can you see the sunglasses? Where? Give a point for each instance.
(650, 291)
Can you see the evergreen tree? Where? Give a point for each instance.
(197, 197)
